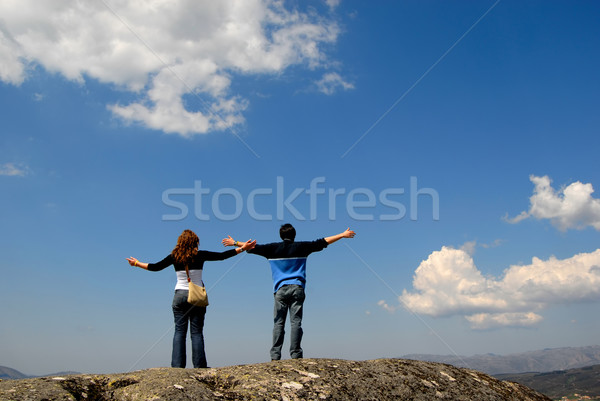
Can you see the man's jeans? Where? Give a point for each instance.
(288, 297)
(184, 312)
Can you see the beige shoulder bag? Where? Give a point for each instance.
(197, 295)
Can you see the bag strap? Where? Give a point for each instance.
(187, 272)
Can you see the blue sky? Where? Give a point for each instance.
(458, 139)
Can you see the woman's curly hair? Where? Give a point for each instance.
(186, 248)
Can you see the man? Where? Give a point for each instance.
(288, 268)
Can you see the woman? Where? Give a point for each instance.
(186, 253)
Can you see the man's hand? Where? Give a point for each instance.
(244, 245)
(348, 233)
(228, 241)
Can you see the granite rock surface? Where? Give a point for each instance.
(300, 379)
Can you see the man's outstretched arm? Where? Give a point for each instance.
(346, 234)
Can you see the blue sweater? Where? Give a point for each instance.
(288, 260)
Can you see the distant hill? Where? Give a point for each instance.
(583, 381)
(7, 373)
(546, 360)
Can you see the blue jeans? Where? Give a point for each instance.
(288, 297)
(184, 312)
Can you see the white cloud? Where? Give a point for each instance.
(387, 307)
(333, 3)
(484, 321)
(14, 170)
(12, 67)
(469, 247)
(569, 207)
(448, 283)
(162, 50)
(497, 242)
(331, 82)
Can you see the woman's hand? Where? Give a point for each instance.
(134, 262)
(248, 245)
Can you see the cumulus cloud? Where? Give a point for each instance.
(448, 283)
(14, 170)
(163, 51)
(569, 207)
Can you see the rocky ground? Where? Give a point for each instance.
(300, 379)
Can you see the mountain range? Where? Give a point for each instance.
(546, 360)
(583, 381)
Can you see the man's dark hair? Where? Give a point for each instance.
(287, 231)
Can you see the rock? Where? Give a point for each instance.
(291, 380)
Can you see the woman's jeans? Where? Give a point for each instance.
(184, 312)
(288, 297)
